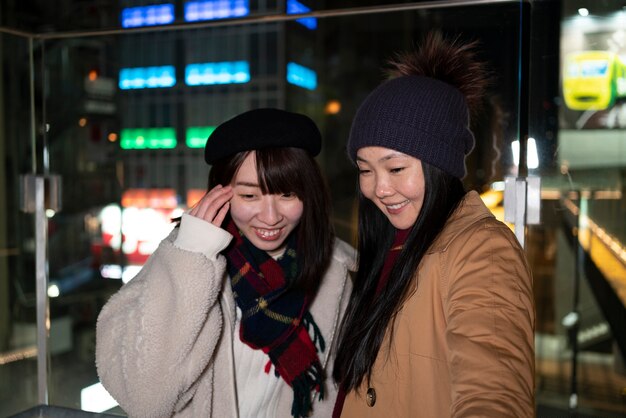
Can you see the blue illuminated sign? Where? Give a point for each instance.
(215, 9)
(217, 73)
(134, 17)
(301, 76)
(295, 7)
(147, 77)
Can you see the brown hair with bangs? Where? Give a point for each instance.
(292, 170)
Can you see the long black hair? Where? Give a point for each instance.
(368, 316)
(292, 170)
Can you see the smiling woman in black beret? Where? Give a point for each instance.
(234, 314)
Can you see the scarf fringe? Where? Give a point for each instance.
(303, 385)
(318, 338)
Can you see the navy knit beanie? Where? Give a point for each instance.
(418, 116)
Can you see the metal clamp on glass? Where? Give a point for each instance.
(522, 203)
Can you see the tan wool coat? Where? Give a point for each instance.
(462, 343)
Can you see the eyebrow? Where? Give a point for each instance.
(246, 183)
(385, 158)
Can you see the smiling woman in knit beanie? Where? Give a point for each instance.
(440, 323)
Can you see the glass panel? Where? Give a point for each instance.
(122, 110)
(18, 330)
(126, 114)
(578, 252)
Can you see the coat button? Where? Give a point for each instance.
(370, 399)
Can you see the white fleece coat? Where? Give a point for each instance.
(165, 341)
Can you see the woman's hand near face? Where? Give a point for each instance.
(214, 205)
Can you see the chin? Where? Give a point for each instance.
(267, 246)
(400, 224)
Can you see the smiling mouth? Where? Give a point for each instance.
(396, 207)
(268, 234)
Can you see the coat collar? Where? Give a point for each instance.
(331, 298)
(471, 209)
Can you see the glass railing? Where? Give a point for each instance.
(121, 112)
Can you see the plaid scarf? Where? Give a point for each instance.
(275, 316)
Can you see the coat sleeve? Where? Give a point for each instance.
(156, 337)
(490, 324)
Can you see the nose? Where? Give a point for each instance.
(383, 188)
(269, 213)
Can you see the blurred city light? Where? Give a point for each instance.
(332, 107)
(532, 157)
(96, 398)
(147, 77)
(295, 7)
(217, 73)
(53, 290)
(301, 76)
(148, 138)
(197, 136)
(215, 9)
(160, 14)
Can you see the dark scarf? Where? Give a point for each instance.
(275, 316)
(390, 261)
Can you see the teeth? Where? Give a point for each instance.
(397, 206)
(268, 233)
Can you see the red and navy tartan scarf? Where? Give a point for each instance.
(275, 315)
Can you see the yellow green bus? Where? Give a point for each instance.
(593, 80)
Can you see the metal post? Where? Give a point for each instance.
(523, 86)
(517, 192)
(581, 223)
(43, 312)
(33, 128)
(520, 210)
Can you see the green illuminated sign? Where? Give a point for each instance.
(197, 136)
(148, 138)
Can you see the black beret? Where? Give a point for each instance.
(263, 128)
